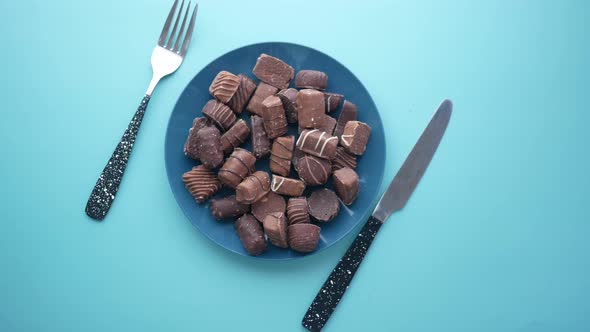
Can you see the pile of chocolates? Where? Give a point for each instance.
(273, 207)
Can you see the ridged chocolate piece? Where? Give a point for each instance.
(318, 143)
(332, 101)
(346, 184)
(260, 141)
(235, 136)
(286, 186)
(343, 159)
(311, 79)
(297, 211)
(328, 125)
(323, 205)
(262, 92)
(237, 167)
(303, 237)
(288, 97)
(242, 95)
(224, 86)
(268, 204)
(348, 113)
(221, 115)
(201, 183)
(275, 227)
(251, 234)
(273, 71)
(192, 144)
(281, 155)
(209, 147)
(227, 207)
(314, 171)
(253, 188)
(310, 108)
(273, 114)
(355, 137)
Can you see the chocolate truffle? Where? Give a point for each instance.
(235, 136)
(275, 227)
(346, 183)
(260, 141)
(221, 115)
(348, 113)
(227, 207)
(328, 125)
(268, 204)
(303, 237)
(273, 114)
(281, 155)
(288, 97)
(262, 91)
(237, 167)
(355, 137)
(253, 188)
(191, 145)
(311, 79)
(209, 147)
(323, 205)
(250, 232)
(310, 108)
(318, 143)
(286, 186)
(297, 211)
(242, 95)
(314, 171)
(224, 86)
(273, 71)
(343, 159)
(201, 183)
(332, 101)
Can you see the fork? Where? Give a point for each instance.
(166, 58)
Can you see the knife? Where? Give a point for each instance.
(394, 199)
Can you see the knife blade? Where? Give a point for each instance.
(395, 198)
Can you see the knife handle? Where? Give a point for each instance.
(337, 283)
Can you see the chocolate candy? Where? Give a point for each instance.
(297, 211)
(224, 86)
(303, 237)
(328, 125)
(192, 144)
(237, 167)
(297, 155)
(323, 205)
(273, 71)
(314, 171)
(268, 204)
(355, 137)
(343, 159)
(242, 95)
(348, 113)
(250, 232)
(262, 92)
(201, 183)
(235, 136)
(209, 147)
(286, 186)
(310, 108)
(273, 114)
(318, 143)
(275, 227)
(253, 188)
(281, 155)
(346, 183)
(260, 141)
(227, 207)
(311, 79)
(288, 98)
(221, 115)
(332, 101)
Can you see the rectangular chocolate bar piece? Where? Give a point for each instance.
(262, 92)
(310, 108)
(273, 71)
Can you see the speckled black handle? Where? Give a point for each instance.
(106, 187)
(337, 283)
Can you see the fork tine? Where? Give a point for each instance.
(173, 33)
(180, 32)
(189, 32)
(166, 27)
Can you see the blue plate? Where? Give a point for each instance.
(341, 80)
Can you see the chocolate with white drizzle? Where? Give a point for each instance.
(318, 143)
(332, 101)
(287, 186)
(237, 167)
(355, 137)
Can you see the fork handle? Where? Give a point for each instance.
(106, 187)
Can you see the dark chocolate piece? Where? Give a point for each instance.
(318, 143)
(355, 137)
(273, 71)
(281, 155)
(227, 207)
(303, 237)
(343, 159)
(250, 232)
(346, 183)
(235, 136)
(297, 211)
(209, 147)
(286, 186)
(253, 188)
(192, 144)
(348, 113)
(314, 171)
(275, 227)
(273, 114)
(311, 79)
(262, 92)
(332, 101)
(237, 167)
(224, 86)
(242, 95)
(201, 183)
(221, 115)
(260, 141)
(288, 97)
(328, 125)
(268, 204)
(310, 108)
(323, 205)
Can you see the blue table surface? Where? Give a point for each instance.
(495, 238)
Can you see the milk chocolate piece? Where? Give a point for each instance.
(311, 79)
(343, 159)
(237, 167)
(355, 137)
(262, 91)
(297, 211)
(275, 227)
(273, 71)
(348, 113)
(328, 125)
(273, 114)
(318, 143)
(221, 115)
(209, 147)
(310, 108)
(224, 86)
(297, 155)
(201, 183)
(192, 144)
(235, 136)
(250, 232)
(323, 205)
(286, 186)
(303, 237)
(288, 97)
(346, 183)
(314, 171)
(260, 141)
(281, 155)
(227, 207)
(332, 101)
(242, 95)
(253, 188)
(268, 204)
